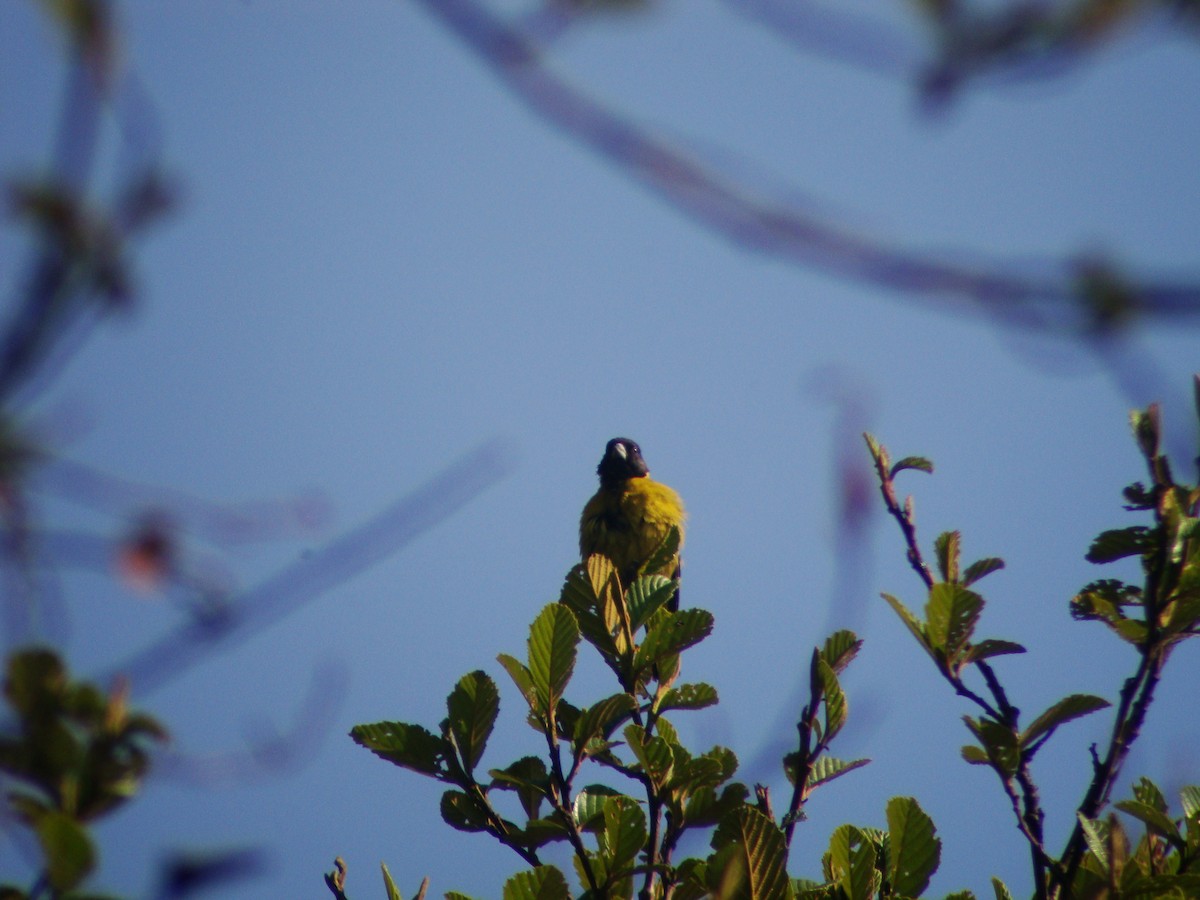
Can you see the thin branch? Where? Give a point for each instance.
(654, 812)
(1031, 821)
(904, 518)
(966, 693)
(1042, 859)
(806, 756)
(1026, 807)
(1008, 714)
(1136, 696)
(498, 828)
(560, 799)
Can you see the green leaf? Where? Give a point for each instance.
(577, 595)
(1184, 613)
(612, 611)
(980, 568)
(1183, 886)
(460, 813)
(990, 647)
(727, 759)
(912, 462)
(67, 848)
(542, 883)
(1146, 791)
(601, 574)
(1178, 525)
(409, 746)
(836, 708)
(1096, 834)
(879, 454)
(1146, 429)
(697, 695)
(705, 807)
(624, 833)
(671, 634)
(999, 743)
(646, 595)
(521, 677)
(1132, 631)
(1002, 892)
(976, 756)
(1138, 497)
(852, 863)
(588, 807)
(539, 832)
(709, 770)
(666, 551)
(472, 706)
(915, 850)
(807, 889)
(566, 717)
(599, 720)
(34, 678)
(528, 778)
(1119, 543)
(946, 547)
(1190, 796)
(913, 624)
(393, 892)
(827, 768)
(1072, 707)
(667, 731)
(652, 752)
(952, 613)
(840, 649)
(1157, 821)
(752, 850)
(553, 639)
(1104, 600)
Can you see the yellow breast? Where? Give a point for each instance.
(628, 524)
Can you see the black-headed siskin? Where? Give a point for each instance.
(630, 516)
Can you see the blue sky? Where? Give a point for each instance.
(382, 261)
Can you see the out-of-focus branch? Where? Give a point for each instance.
(1027, 40)
(222, 524)
(77, 270)
(324, 569)
(834, 33)
(992, 44)
(267, 751)
(1067, 300)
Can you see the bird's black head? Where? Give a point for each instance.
(622, 461)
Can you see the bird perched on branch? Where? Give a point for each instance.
(631, 515)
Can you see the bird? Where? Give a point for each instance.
(630, 516)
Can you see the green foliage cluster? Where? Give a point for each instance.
(624, 839)
(76, 755)
(1153, 617)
